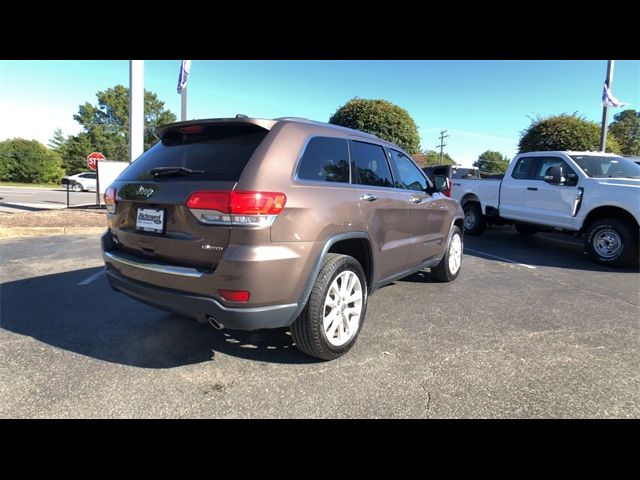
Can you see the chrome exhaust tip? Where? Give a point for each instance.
(214, 323)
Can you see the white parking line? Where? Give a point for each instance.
(92, 278)
(499, 258)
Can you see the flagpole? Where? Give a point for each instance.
(136, 109)
(605, 109)
(183, 104)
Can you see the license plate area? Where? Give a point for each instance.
(150, 220)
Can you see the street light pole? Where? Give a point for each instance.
(605, 109)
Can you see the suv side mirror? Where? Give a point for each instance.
(440, 185)
(553, 175)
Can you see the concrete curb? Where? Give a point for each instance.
(7, 232)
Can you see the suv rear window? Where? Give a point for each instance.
(325, 159)
(222, 151)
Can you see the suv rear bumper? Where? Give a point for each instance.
(199, 307)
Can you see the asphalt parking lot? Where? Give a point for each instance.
(21, 199)
(531, 328)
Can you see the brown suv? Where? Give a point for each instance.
(251, 223)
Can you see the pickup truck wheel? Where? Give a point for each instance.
(526, 229)
(613, 242)
(77, 187)
(331, 321)
(449, 267)
(474, 221)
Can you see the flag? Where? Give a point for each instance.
(608, 100)
(184, 75)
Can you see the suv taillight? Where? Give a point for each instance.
(257, 203)
(110, 199)
(237, 207)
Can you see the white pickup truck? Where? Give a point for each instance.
(591, 194)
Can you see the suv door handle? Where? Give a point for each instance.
(534, 189)
(415, 199)
(368, 197)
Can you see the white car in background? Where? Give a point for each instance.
(81, 181)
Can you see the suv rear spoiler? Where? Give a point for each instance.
(161, 130)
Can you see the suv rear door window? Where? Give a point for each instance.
(325, 159)
(221, 151)
(371, 164)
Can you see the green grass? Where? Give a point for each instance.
(30, 185)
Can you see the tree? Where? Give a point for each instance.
(431, 157)
(57, 140)
(106, 125)
(29, 161)
(626, 130)
(381, 118)
(564, 132)
(74, 153)
(491, 161)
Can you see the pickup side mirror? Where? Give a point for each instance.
(553, 175)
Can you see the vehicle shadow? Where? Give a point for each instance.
(422, 276)
(21, 207)
(95, 321)
(540, 250)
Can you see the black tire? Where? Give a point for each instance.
(474, 221)
(76, 187)
(307, 331)
(617, 234)
(526, 229)
(442, 272)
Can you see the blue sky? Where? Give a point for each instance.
(483, 104)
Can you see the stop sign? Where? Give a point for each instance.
(93, 159)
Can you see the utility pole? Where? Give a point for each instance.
(442, 144)
(605, 109)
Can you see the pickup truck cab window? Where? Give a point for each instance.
(524, 168)
(570, 178)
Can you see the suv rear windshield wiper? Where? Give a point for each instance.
(167, 171)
